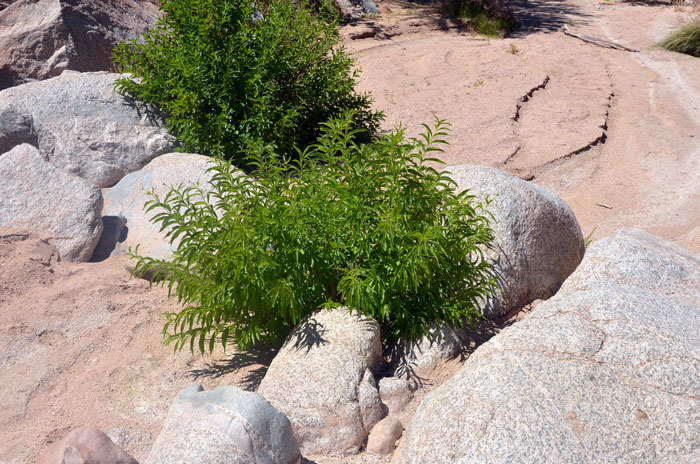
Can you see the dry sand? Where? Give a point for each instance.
(613, 133)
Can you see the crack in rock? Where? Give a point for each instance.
(601, 139)
(512, 155)
(525, 98)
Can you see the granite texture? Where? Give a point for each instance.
(223, 426)
(82, 126)
(608, 370)
(538, 241)
(37, 197)
(322, 379)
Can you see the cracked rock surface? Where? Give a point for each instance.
(608, 370)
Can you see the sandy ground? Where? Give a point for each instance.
(614, 133)
(82, 345)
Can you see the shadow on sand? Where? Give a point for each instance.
(546, 16)
(255, 361)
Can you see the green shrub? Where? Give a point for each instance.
(371, 226)
(685, 39)
(484, 17)
(226, 74)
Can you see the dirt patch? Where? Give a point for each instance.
(82, 346)
(613, 133)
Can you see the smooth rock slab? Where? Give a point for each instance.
(538, 241)
(608, 370)
(37, 197)
(128, 198)
(223, 426)
(639, 259)
(322, 380)
(40, 39)
(86, 445)
(83, 126)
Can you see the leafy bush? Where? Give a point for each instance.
(227, 74)
(685, 39)
(371, 226)
(485, 17)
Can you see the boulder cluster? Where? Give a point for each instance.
(605, 369)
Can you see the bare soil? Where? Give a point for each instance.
(613, 133)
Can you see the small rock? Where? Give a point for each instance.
(395, 393)
(86, 445)
(369, 400)
(441, 344)
(223, 426)
(370, 7)
(37, 197)
(321, 378)
(382, 439)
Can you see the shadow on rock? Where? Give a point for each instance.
(308, 335)
(410, 360)
(115, 232)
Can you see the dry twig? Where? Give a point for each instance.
(599, 42)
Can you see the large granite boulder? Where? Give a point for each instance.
(608, 370)
(639, 259)
(86, 445)
(40, 39)
(82, 126)
(538, 242)
(322, 380)
(223, 426)
(127, 223)
(37, 197)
